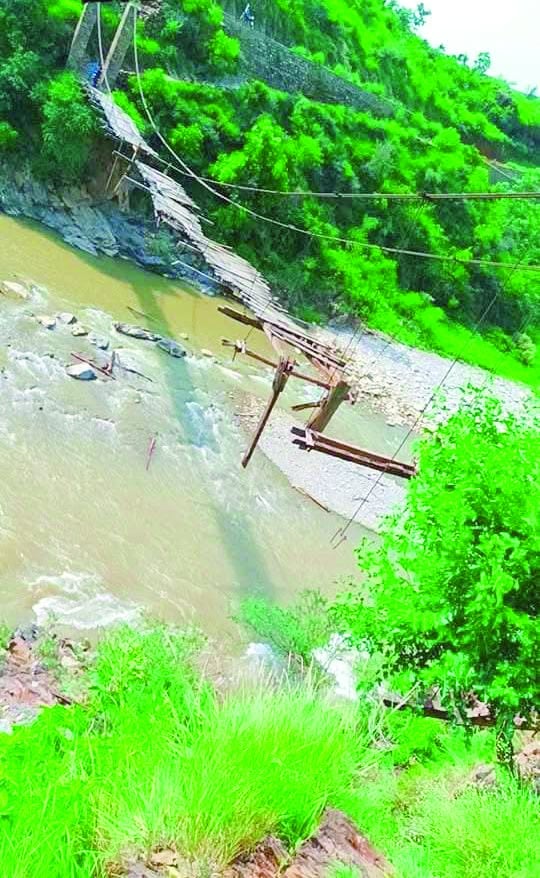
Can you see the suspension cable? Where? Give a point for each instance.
(186, 169)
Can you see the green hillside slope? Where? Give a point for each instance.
(448, 123)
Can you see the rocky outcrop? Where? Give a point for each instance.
(93, 224)
(136, 332)
(14, 290)
(337, 841)
(171, 347)
(26, 685)
(82, 372)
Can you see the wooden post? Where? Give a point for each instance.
(81, 37)
(329, 406)
(119, 46)
(283, 371)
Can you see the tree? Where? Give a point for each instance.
(482, 63)
(68, 127)
(453, 585)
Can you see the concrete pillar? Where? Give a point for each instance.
(123, 39)
(81, 37)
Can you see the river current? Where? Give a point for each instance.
(88, 534)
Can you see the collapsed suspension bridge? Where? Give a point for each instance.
(236, 276)
(241, 281)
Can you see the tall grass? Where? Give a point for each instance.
(432, 821)
(157, 758)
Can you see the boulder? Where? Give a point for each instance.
(171, 347)
(14, 290)
(79, 329)
(136, 332)
(337, 841)
(46, 320)
(206, 353)
(66, 317)
(81, 371)
(98, 341)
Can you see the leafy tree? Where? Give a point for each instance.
(453, 599)
(8, 136)
(482, 63)
(68, 128)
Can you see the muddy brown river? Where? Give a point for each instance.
(88, 534)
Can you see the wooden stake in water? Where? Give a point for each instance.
(150, 452)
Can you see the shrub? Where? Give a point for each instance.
(454, 582)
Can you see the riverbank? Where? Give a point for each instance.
(391, 379)
(271, 776)
(89, 220)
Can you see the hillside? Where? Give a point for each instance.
(436, 126)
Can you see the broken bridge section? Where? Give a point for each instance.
(242, 281)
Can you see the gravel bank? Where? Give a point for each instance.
(400, 381)
(393, 379)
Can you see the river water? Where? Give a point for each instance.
(88, 535)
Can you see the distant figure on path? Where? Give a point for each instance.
(247, 16)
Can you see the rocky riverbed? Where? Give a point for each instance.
(96, 225)
(402, 382)
(390, 378)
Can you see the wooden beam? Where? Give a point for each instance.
(304, 406)
(240, 348)
(312, 441)
(329, 406)
(241, 318)
(313, 349)
(283, 371)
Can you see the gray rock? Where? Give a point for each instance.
(136, 332)
(79, 329)
(171, 347)
(66, 317)
(14, 290)
(98, 341)
(46, 321)
(81, 371)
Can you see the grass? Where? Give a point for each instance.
(157, 758)
(431, 821)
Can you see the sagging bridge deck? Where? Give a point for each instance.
(241, 280)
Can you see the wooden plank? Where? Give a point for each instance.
(312, 441)
(280, 380)
(329, 406)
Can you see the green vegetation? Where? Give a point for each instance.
(451, 592)
(446, 118)
(432, 821)
(448, 598)
(156, 758)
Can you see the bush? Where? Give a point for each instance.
(156, 758)
(68, 129)
(454, 582)
(292, 631)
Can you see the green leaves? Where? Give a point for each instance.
(455, 579)
(68, 128)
